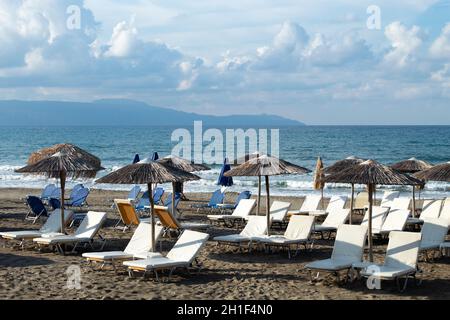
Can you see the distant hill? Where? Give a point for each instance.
(120, 112)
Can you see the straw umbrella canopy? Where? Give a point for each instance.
(147, 172)
(265, 166)
(440, 172)
(181, 164)
(318, 183)
(67, 161)
(412, 165)
(343, 165)
(371, 173)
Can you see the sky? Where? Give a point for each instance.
(320, 62)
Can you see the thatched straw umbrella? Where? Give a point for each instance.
(318, 183)
(266, 166)
(68, 161)
(371, 173)
(244, 159)
(412, 165)
(440, 172)
(181, 164)
(343, 165)
(148, 172)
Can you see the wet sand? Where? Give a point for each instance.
(226, 273)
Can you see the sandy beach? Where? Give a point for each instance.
(227, 273)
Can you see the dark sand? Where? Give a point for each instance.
(227, 274)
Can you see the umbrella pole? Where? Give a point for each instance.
(152, 211)
(352, 202)
(370, 187)
(258, 201)
(173, 198)
(414, 202)
(268, 205)
(62, 181)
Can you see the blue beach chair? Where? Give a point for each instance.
(216, 198)
(48, 192)
(36, 208)
(78, 198)
(144, 201)
(134, 193)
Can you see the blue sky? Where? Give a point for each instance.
(314, 61)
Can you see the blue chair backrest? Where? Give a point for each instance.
(216, 198)
(144, 201)
(36, 205)
(168, 202)
(134, 192)
(48, 190)
(75, 189)
(243, 196)
(157, 194)
(54, 203)
(78, 198)
(56, 193)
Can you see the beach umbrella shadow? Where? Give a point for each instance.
(8, 260)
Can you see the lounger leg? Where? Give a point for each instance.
(401, 288)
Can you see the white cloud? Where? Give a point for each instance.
(123, 40)
(404, 44)
(441, 46)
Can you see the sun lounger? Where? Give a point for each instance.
(336, 203)
(244, 195)
(242, 211)
(430, 210)
(334, 219)
(138, 248)
(400, 203)
(297, 232)
(361, 201)
(400, 261)
(255, 227)
(36, 209)
(445, 211)
(51, 227)
(378, 217)
(216, 198)
(434, 232)
(348, 249)
(170, 222)
(182, 255)
(311, 203)
(388, 198)
(395, 221)
(278, 211)
(84, 234)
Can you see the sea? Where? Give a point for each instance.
(302, 145)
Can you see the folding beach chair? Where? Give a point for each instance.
(51, 227)
(47, 192)
(216, 198)
(168, 202)
(54, 203)
(144, 202)
(128, 215)
(78, 198)
(298, 232)
(400, 261)
(183, 255)
(171, 223)
(84, 234)
(334, 219)
(242, 211)
(134, 193)
(36, 209)
(348, 249)
(138, 247)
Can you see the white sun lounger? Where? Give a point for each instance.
(278, 211)
(434, 232)
(255, 227)
(138, 247)
(182, 255)
(388, 198)
(400, 203)
(85, 233)
(297, 232)
(51, 227)
(378, 216)
(242, 211)
(445, 211)
(400, 261)
(430, 210)
(348, 249)
(395, 221)
(311, 203)
(334, 219)
(336, 203)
